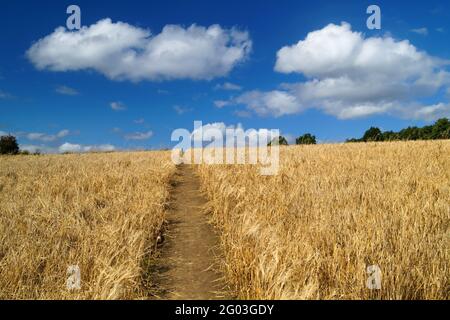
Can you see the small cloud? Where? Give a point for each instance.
(117, 106)
(221, 103)
(228, 86)
(139, 121)
(116, 130)
(162, 91)
(78, 148)
(421, 31)
(139, 135)
(37, 136)
(441, 30)
(180, 110)
(67, 91)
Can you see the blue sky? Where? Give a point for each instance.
(55, 92)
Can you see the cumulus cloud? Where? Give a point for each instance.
(65, 90)
(228, 86)
(37, 136)
(139, 135)
(350, 76)
(276, 103)
(78, 148)
(432, 112)
(421, 31)
(117, 106)
(121, 51)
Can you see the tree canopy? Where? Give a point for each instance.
(440, 130)
(306, 139)
(8, 145)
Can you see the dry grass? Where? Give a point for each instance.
(101, 212)
(311, 231)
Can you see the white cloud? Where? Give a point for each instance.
(139, 121)
(350, 76)
(65, 90)
(276, 103)
(78, 148)
(124, 52)
(337, 51)
(421, 31)
(47, 137)
(139, 135)
(118, 106)
(228, 86)
(181, 110)
(432, 112)
(221, 103)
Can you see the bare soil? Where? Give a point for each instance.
(185, 269)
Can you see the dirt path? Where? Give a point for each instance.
(185, 268)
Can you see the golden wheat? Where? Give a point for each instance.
(311, 231)
(101, 212)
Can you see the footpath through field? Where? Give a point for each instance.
(185, 268)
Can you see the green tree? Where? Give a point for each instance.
(8, 145)
(389, 136)
(410, 133)
(439, 129)
(306, 139)
(373, 134)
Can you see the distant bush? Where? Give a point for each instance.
(306, 139)
(8, 145)
(440, 130)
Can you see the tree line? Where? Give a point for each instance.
(440, 130)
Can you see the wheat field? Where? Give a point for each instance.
(101, 212)
(311, 231)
